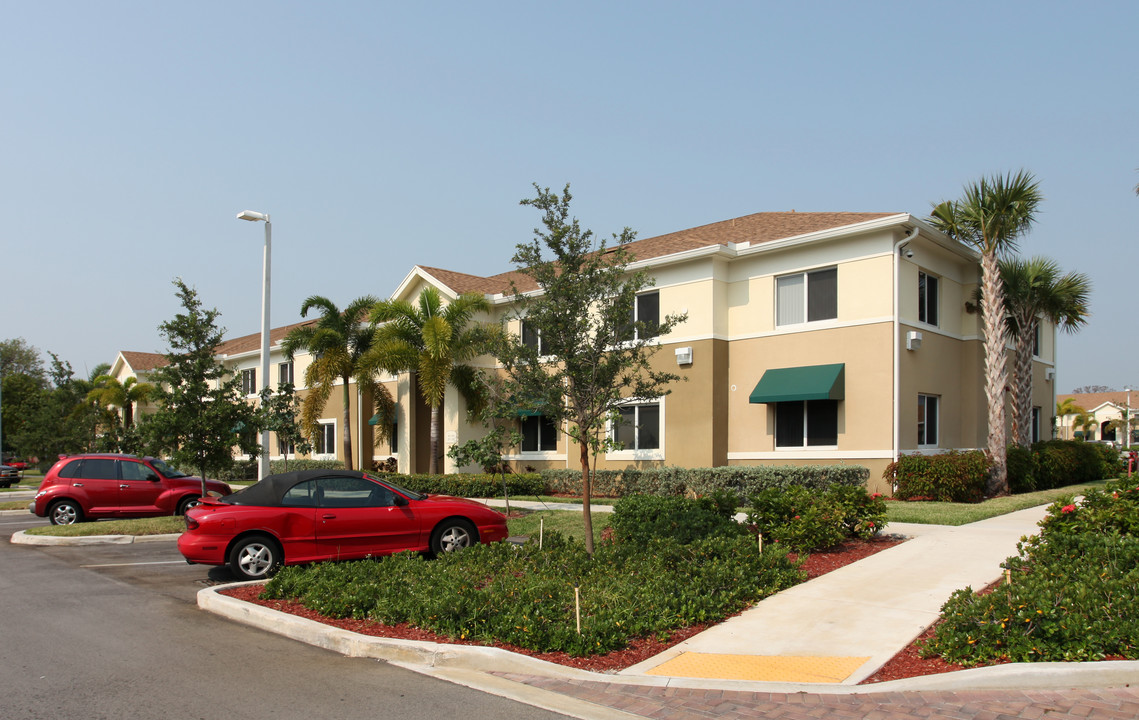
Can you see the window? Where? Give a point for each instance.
(927, 299)
(639, 426)
(927, 419)
(393, 441)
(1036, 340)
(806, 423)
(285, 449)
(325, 441)
(131, 470)
(647, 312)
(249, 381)
(285, 373)
(806, 297)
(532, 337)
(1035, 424)
(350, 492)
(98, 469)
(539, 434)
(303, 494)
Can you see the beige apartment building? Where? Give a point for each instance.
(811, 338)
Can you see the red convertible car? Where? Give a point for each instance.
(313, 515)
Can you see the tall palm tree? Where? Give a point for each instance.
(1035, 288)
(992, 215)
(337, 342)
(434, 341)
(1066, 408)
(110, 392)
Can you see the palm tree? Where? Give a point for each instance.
(1033, 289)
(1086, 422)
(992, 215)
(337, 342)
(110, 392)
(435, 342)
(1066, 408)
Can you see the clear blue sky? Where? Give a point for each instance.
(380, 135)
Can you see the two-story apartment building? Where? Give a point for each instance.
(812, 338)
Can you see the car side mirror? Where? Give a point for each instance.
(153, 477)
(399, 500)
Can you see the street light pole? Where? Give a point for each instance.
(1127, 420)
(263, 460)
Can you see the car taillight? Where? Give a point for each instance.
(191, 523)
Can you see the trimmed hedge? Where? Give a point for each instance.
(476, 485)
(948, 477)
(674, 518)
(741, 480)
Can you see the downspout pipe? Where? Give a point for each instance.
(908, 238)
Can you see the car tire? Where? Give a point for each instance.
(255, 557)
(452, 535)
(65, 512)
(5, 484)
(186, 503)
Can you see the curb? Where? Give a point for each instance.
(473, 663)
(22, 538)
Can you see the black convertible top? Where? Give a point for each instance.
(268, 492)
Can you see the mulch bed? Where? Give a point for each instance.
(817, 564)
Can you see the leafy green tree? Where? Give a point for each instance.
(278, 413)
(1035, 288)
(992, 215)
(49, 420)
(201, 414)
(435, 341)
(18, 357)
(110, 392)
(592, 357)
(337, 342)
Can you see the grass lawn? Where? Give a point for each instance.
(567, 522)
(946, 513)
(135, 526)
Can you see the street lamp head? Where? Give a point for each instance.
(252, 216)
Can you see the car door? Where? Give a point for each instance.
(139, 489)
(357, 518)
(98, 481)
(293, 523)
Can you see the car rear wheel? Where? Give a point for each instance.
(451, 535)
(255, 557)
(186, 503)
(65, 512)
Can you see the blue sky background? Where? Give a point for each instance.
(383, 135)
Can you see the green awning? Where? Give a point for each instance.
(809, 382)
(379, 418)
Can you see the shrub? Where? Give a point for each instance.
(805, 520)
(948, 477)
(478, 485)
(679, 519)
(525, 595)
(1021, 469)
(742, 480)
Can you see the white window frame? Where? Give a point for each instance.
(805, 305)
(934, 282)
(245, 385)
(290, 451)
(923, 420)
(323, 424)
(291, 373)
(537, 333)
(657, 453)
(539, 452)
(637, 314)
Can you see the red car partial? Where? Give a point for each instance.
(98, 485)
(316, 515)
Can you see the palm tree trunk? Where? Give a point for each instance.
(1022, 382)
(347, 428)
(996, 371)
(433, 463)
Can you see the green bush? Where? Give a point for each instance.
(525, 595)
(1074, 593)
(742, 480)
(679, 519)
(805, 520)
(476, 485)
(1021, 469)
(948, 477)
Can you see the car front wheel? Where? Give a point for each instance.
(254, 558)
(65, 512)
(452, 535)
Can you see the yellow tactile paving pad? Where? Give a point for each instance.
(763, 668)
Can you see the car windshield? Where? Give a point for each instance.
(402, 491)
(166, 470)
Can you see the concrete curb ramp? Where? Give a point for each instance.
(23, 538)
(470, 664)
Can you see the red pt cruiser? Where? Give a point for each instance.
(314, 515)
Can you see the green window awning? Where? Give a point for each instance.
(809, 382)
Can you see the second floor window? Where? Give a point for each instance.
(249, 381)
(806, 297)
(927, 299)
(532, 337)
(285, 373)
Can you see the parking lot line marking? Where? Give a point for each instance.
(156, 562)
